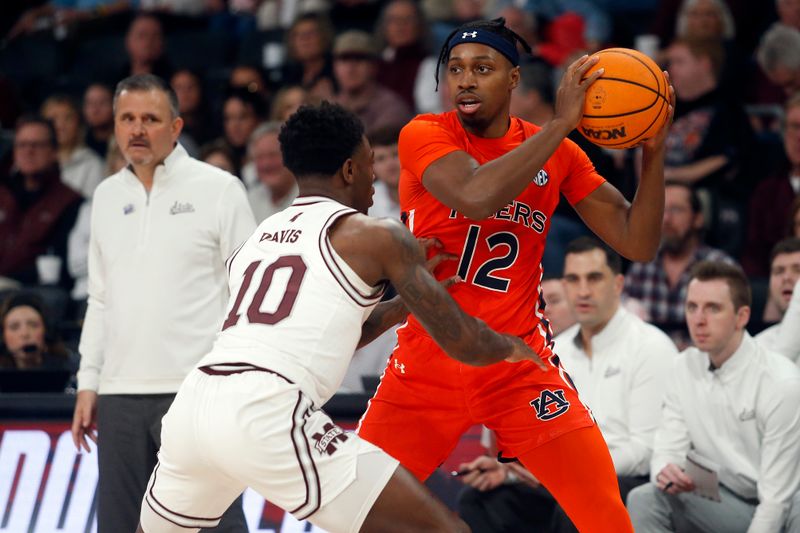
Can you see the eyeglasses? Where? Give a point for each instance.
(39, 145)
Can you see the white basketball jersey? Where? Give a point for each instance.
(296, 307)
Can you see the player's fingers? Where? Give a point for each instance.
(583, 68)
(575, 65)
(452, 280)
(440, 257)
(591, 78)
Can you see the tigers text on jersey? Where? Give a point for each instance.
(296, 307)
(499, 256)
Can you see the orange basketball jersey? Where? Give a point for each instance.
(499, 257)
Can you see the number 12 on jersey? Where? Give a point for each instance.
(485, 274)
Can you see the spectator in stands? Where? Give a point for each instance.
(661, 285)
(355, 65)
(778, 56)
(144, 44)
(190, 8)
(65, 13)
(308, 45)
(242, 112)
(157, 292)
(98, 117)
(771, 203)
(709, 139)
(557, 310)
(730, 406)
(276, 187)
(401, 35)
(218, 154)
(386, 164)
(251, 79)
(597, 24)
(784, 275)
(27, 342)
(788, 13)
(81, 169)
(616, 360)
(705, 19)
(38, 209)
(192, 104)
(287, 100)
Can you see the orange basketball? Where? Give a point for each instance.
(628, 103)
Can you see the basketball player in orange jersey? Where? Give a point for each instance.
(485, 184)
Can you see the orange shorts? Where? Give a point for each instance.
(427, 400)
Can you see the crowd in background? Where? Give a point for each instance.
(242, 67)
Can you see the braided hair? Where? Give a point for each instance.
(496, 26)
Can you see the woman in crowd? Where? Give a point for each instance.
(27, 342)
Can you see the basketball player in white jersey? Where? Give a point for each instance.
(305, 289)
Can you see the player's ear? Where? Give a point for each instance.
(349, 171)
(514, 77)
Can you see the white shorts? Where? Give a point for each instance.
(256, 429)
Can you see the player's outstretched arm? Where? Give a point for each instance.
(462, 336)
(478, 192)
(387, 314)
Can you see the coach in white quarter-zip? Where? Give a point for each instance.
(161, 231)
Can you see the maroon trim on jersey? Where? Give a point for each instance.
(311, 199)
(229, 262)
(220, 370)
(329, 258)
(207, 521)
(298, 434)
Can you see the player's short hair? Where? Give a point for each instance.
(317, 140)
(700, 48)
(384, 136)
(790, 245)
(25, 120)
(144, 83)
(587, 244)
(694, 198)
(779, 46)
(734, 276)
(496, 26)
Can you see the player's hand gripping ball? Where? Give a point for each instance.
(627, 104)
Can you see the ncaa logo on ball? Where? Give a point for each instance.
(541, 178)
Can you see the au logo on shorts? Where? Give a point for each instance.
(550, 404)
(326, 443)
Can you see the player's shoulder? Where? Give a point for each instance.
(428, 123)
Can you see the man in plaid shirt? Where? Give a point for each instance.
(660, 285)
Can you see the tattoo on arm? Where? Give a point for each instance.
(463, 337)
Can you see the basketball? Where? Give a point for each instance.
(628, 103)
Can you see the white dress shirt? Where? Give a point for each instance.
(622, 383)
(745, 417)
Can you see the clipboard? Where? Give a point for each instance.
(704, 474)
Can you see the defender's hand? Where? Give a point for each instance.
(523, 352)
